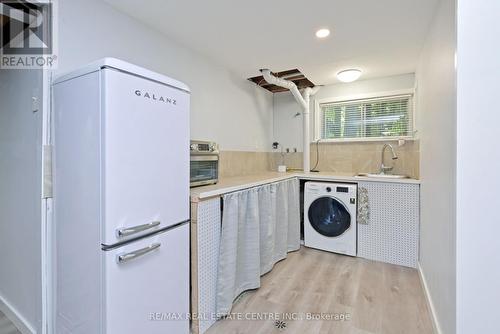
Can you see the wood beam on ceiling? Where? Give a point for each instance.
(4, 20)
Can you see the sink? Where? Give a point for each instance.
(384, 176)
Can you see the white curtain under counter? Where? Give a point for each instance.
(259, 227)
(236, 238)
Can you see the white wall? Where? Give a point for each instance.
(20, 199)
(436, 103)
(288, 129)
(225, 108)
(478, 167)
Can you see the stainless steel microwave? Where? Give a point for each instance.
(204, 164)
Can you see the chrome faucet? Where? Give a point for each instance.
(383, 167)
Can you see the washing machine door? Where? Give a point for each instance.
(329, 217)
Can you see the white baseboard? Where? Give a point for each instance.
(430, 304)
(16, 318)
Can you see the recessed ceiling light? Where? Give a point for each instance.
(349, 75)
(322, 33)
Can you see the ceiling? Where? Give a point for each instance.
(382, 37)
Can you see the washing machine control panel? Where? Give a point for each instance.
(330, 188)
(342, 189)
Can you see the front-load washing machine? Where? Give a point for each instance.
(330, 217)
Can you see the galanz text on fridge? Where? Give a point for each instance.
(152, 96)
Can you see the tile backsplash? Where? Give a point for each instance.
(357, 157)
(350, 158)
(236, 163)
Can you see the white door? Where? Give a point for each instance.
(145, 135)
(148, 285)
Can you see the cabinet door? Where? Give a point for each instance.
(392, 233)
(141, 293)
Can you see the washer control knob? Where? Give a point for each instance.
(328, 189)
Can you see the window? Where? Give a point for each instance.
(374, 118)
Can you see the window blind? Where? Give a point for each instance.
(367, 118)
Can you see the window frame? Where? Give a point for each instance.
(367, 96)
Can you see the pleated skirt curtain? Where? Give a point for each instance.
(259, 227)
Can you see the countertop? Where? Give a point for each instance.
(236, 183)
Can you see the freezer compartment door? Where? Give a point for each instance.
(145, 163)
(146, 283)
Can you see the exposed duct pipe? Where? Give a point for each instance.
(303, 101)
(285, 84)
(307, 155)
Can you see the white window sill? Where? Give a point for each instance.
(358, 140)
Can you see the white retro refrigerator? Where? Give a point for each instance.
(121, 198)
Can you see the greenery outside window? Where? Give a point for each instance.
(382, 118)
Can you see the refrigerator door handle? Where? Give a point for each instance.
(125, 257)
(126, 231)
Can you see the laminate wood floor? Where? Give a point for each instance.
(378, 297)
(6, 326)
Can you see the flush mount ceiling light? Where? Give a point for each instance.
(349, 75)
(322, 33)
